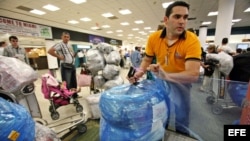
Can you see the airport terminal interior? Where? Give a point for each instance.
(104, 35)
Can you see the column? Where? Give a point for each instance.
(224, 20)
(203, 36)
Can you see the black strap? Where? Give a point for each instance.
(64, 52)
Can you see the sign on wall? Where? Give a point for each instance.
(17, 27)
(95, 39)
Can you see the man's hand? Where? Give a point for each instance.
(138, 74)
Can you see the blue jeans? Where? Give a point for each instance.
(69, 75)
(179, 97)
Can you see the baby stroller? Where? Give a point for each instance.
(58, 95)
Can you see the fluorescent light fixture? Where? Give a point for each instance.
(107, 15)
(78, 1)
(105, 26)
(119, 31)
(206, 23)
(130, 35)
(125, 23)
(125, 12)
(139, 22)
(236, 20)
(73, 22)
(147, 28)
(135, 29)
(247, 10)
(38, 12)
(109, 32)
(120, 35)
(95, 27)
(51, 7)
(151, 31)
(85, 19)
(166, 4)
(213, 13)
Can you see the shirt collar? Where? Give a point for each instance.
(164, 33)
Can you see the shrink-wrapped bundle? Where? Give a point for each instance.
(113, 58)
(95, 61)
(134, 112)
(110, 71)
(99, 81)
(114, 82)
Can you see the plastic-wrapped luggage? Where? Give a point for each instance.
(134, 112)
(14, 74)
(16, 122)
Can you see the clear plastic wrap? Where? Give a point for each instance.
(14, 74)
(110, 71)
(105, 48)
(99, 81)
(113, 58)
(134, 112)
(95, 61)
(44, 133)
(112, 83)
(16, 122)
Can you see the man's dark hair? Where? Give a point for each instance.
(176, 3)
(65, 32)
(248, 49)
(13, 37)
(2, 43)
(239, 50)
(224, 41)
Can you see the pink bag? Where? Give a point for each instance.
(83, 80)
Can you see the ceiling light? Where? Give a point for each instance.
(236, 20)
(38, 12)
(109, 32)
(73, 22)
(213, 13)
(139, 22)
(151, 31)
(107, 15)
(125, 12)
(147, 28)
(206, 23)
(106, 26)
(51, 7)
(247, 10)
(95, 27)
(119, 35)
(135, 29)
(85, 19)
(125, 23)
(78, 1)
(130, 35)
(119, 31)
(166, 4)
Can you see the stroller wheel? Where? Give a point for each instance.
(51, 109)
(210, 99)
(81, 128)
(55, 115)
(217, 109)
(79, 108)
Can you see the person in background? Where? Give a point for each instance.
(224, 47)
(3, 44)
(209, 66)
(136, 57)
(14, 50)
(238, 51)
(248, 49)
(64, 52)
(178, 55)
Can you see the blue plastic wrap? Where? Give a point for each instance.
(15, 122)
(237, 91)
(134, 112)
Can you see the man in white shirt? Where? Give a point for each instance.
(224, 47)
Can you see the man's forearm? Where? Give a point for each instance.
(146, 61)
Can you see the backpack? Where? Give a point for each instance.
(241, 69)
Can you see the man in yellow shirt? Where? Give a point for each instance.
(178, 54)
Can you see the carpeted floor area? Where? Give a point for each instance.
(92, 133)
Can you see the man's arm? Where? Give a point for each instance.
(191, 73)
(52, 52)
